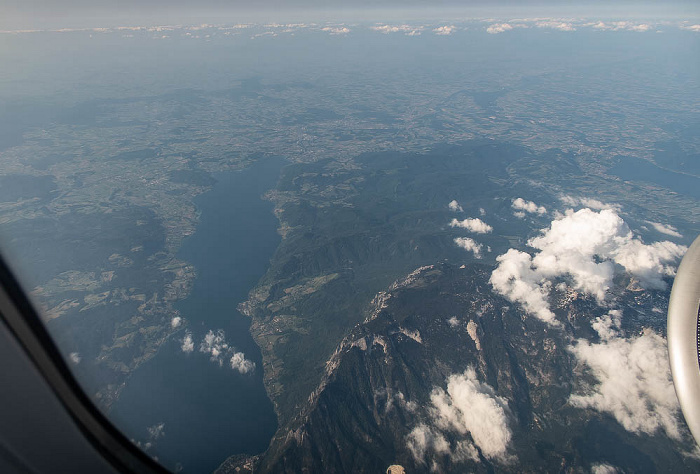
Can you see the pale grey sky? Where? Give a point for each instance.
(16, 14)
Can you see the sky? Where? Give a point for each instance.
(18, 14)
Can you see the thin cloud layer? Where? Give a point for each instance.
(472, 412)
(474, 225)
(584, 247)
(665, 229)
(633, 379)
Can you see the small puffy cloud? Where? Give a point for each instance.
(454, 206)
(474, 225)
(472, 413)
(453, 322)
(470, 245)
(695, 28)
(583, 246)
(187, 343)
(175, 322)
(640, 27)
(603, 468)
(241, 364)
(482, 211)
(75, 357)
(521, 204)
(498, 28)
(556, 25)
(632, 379)
(665, 229)
(444, 30)
(156, 431)
(336, 30)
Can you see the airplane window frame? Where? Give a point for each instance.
(25, 325)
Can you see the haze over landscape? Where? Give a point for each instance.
(437, 238)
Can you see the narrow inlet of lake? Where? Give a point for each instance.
(193, 409)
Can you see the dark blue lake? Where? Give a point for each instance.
(208, 411)
(634, 169)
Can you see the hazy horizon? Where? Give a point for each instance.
(43, 14)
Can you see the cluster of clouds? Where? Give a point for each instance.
(215, 346)
(155, 433)
(633, 378)
(414, 29)
(445, 30)
(569, 24)
(336, 30)
(584, 247)
(473, 225)
(408, 30)
(522, 206)
(472, 414)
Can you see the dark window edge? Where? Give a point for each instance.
(26, 326)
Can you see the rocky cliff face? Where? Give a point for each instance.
(445, 375)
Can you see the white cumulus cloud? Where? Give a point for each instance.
(474, 225)
(470, 245)
(498, 28)
(214, 345)
(406, 29)
(336, 30)
(241, 364)
(423, 439)
(587, 202)
(603, 468)
(633, 379)
(521, 204)
(75, 357)
(187, 343)
(444, 30)
(156, 431)
(474, 417)
(454, 206)
(175, 322)
(470, 406)
(584, 247)
(557, 25)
